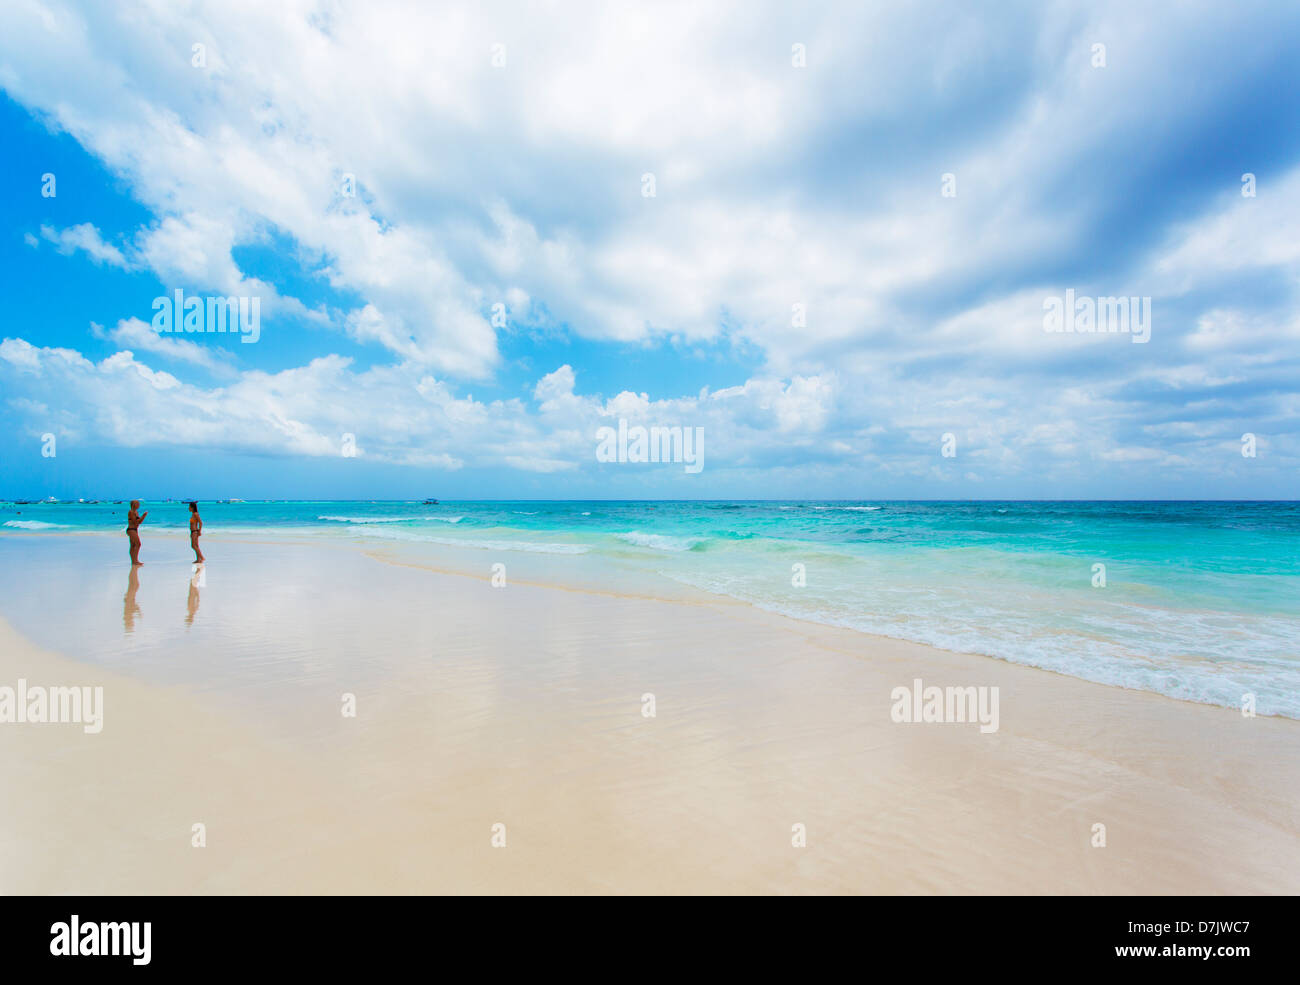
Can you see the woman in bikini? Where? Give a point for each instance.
(196, 529)
(133, 520)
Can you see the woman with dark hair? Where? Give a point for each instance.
(196, 529)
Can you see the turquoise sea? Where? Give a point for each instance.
(1201, 600)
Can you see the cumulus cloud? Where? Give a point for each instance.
(808, 426)
(84, 237)
(394, 414)
(132, 333)
(797, 210)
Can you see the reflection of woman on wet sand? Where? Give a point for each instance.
(192, 605)
(196, 530)
(133, 521)
(129, 607)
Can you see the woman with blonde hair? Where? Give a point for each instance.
(133, 520)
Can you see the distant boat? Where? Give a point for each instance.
(430, 502)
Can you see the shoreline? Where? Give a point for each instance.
(523, 706)
(634, 587)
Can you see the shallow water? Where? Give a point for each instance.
(1200, 601)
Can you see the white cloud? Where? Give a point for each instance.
(87, 238)
(132, 333)
(394, 414)
(775, 186)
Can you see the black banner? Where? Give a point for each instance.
(143, 936)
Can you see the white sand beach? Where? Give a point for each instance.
(523, 706)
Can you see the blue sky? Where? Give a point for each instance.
(501, 286)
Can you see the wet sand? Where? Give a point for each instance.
(523, 706)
